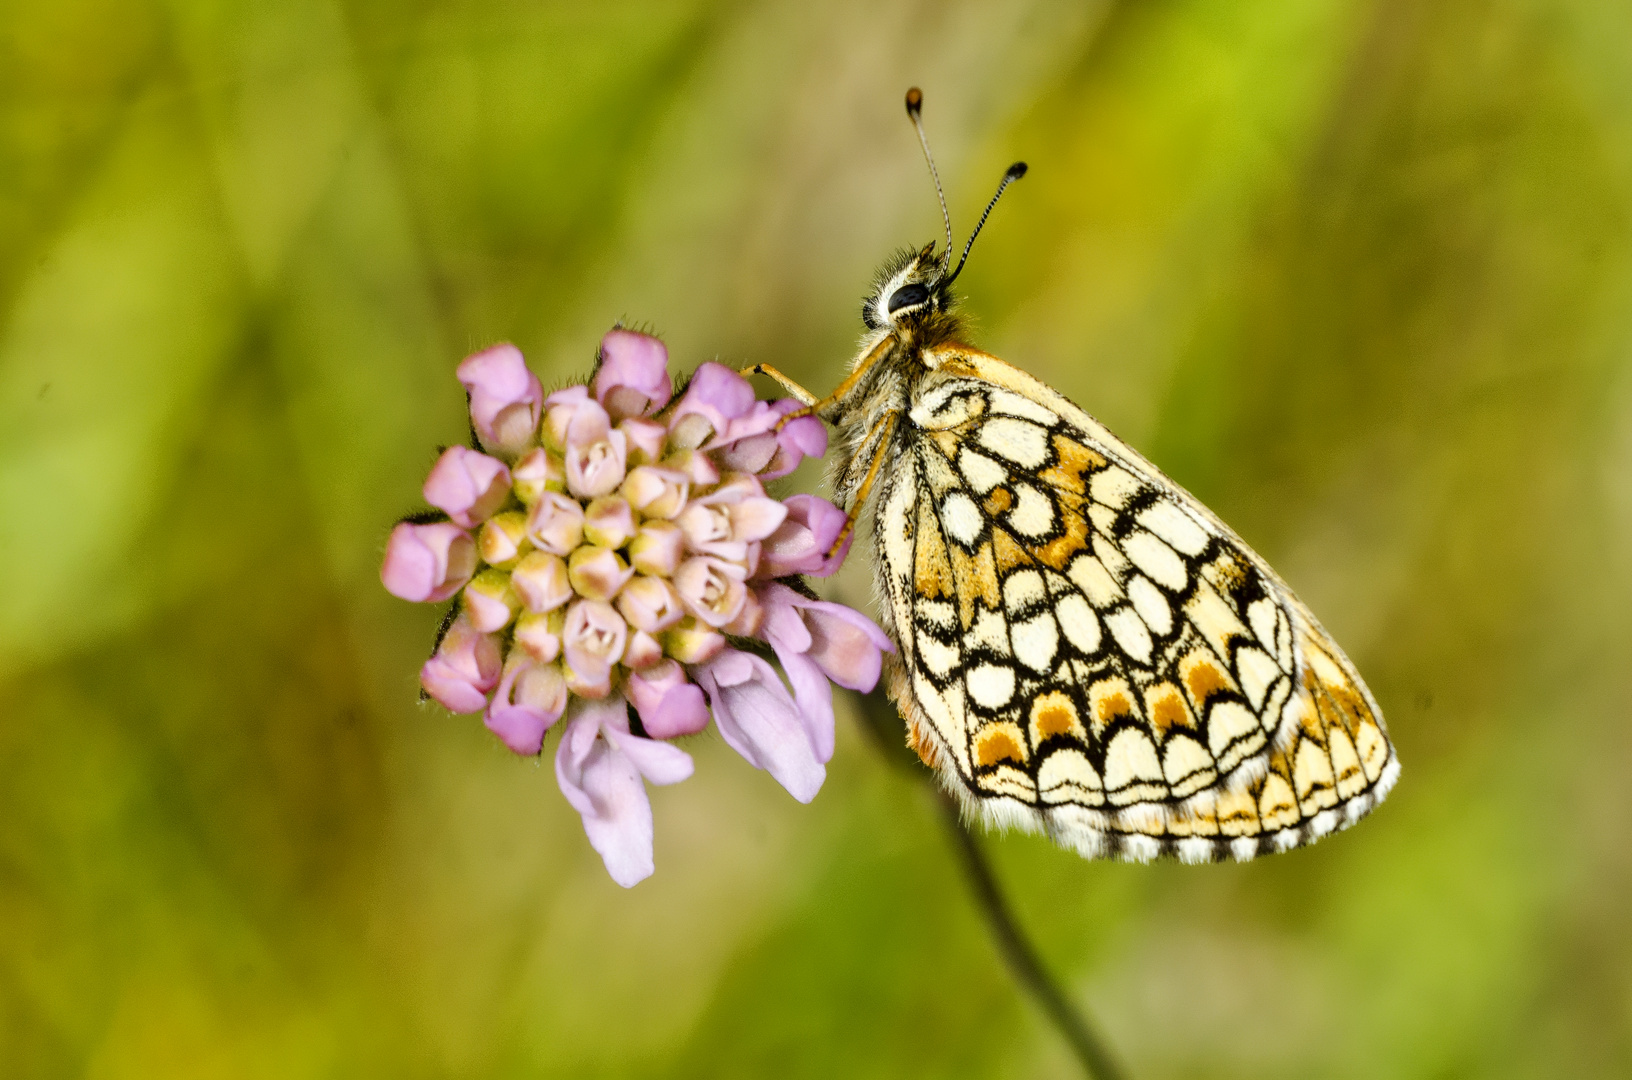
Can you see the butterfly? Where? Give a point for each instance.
(1084, 649)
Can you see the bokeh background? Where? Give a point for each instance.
(1357, 272)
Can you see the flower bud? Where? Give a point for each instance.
(556, 523)
(632, 377)
(656, 548)
(746, 624)
(608, 522)
(490, 602)
(428, 562)
(711, 588)
(505, 399)
(690, 642)
(715, 396)
(595, 455)
(467, 485)
(643, 651)
(597, 573)
(539, 471)
(559, 409)
(529, 699)
(644, 439)
(669, 704)
(540, 579)
(697, 466)
(539, 634)
(650, 604)
(656, 492)
(464, 670)
(592, 641)
(503, 539)
(801, 543)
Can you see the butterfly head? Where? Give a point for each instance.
(911, 289)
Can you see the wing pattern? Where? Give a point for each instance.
(1088, 651)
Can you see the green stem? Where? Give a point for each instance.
(881, 720)
(1019, 954)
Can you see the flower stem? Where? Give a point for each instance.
(1019, 954)
(881, 720)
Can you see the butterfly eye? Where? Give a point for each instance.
(907, 296)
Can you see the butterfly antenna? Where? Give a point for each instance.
(1015, 172)
(915, 105)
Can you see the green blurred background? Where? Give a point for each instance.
(1357, 272)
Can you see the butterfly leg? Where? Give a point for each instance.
(881, 432)
(805, 396)
(823, 409)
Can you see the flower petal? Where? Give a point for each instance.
(603, 783)
(758, 720)
(659, 762)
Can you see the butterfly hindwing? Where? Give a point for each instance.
(1086, 649)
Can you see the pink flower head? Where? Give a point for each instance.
(625, 540)
(801, 543)
(669, 704)
(633, 376)
(600, 766)
(505, 398)
(715, 396)
(817, 642)
(758, 720)
(428, 562)
(530, 697)
(464, 670)
(466, 485)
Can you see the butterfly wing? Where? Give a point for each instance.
(1087, 650)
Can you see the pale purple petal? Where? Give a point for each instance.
(604, 786)
(659, 762)
(783, 626)
(845, 643)
(633, 376)
(427, 562)
(758, 720)
(505, 399)
(813, 693)
(599, 766)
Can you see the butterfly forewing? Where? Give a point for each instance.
(1086, 649)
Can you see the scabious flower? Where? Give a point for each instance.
(620, 567)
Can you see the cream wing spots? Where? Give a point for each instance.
(1091, 653)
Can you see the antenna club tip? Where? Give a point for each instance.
(915, 101)
(1017, 170)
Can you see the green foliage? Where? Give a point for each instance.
(1358, 273)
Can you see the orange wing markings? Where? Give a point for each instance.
(932, 570)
